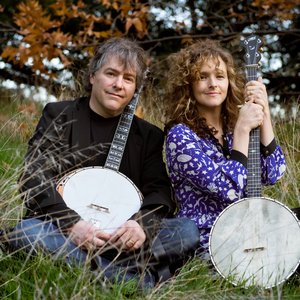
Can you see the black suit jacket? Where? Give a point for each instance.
(61, 143)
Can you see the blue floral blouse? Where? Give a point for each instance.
(207, 178)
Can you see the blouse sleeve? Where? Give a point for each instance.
(196, 160)
(272, 162)
(199, 161)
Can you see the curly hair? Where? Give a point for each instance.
(180, 104)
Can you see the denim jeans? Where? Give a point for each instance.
(176, 240)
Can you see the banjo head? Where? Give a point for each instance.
(255, 241)
(102, 196)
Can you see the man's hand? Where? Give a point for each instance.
(130, 236)
(88, 236)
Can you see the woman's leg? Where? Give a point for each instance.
(175, 243)
(177, 238)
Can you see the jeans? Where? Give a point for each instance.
(176, 240)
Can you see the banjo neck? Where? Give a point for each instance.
(252, 57)
(116, 150)
(117, 147)
(254, 168)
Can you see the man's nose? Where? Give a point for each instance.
(118, 83)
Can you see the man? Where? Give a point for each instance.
(77, 134)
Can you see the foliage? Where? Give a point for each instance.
(276, 21)
(66, 30)
(41, 40)
(45, 33)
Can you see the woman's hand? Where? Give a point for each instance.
(251, 116)
(130, 236)
(256, 92)
(254, 113)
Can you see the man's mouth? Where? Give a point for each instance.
(114, 95)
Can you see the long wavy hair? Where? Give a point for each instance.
(179, 102)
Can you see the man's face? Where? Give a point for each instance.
(112, 88)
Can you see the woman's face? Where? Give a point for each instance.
(210, 89)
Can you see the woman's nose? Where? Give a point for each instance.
(212, 82)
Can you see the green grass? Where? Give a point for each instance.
(24, 277)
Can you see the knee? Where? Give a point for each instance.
(190, 226)
(28, 227)
(190, 233)
(24, 233)
(186, 231)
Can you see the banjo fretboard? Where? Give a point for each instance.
(118, 144)
(254, 167)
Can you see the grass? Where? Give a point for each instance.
(40, 277)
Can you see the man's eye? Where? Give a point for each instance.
(109, 73)
(129, 79)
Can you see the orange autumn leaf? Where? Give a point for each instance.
(43, 38)
(138, 24)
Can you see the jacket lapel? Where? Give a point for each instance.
(81, 125)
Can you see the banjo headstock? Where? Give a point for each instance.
(252, 44)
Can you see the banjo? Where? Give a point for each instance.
(256, 240)
(103, 195)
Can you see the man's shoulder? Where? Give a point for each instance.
(64, 103)
(64, 106)
(147, 126)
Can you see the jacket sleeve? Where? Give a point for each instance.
(43, 163)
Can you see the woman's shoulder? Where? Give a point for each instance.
(180, 129)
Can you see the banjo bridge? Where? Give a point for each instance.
(256, 249)
(98, 207)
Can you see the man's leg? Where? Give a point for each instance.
(33, 235)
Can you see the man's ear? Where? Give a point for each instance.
(92, 79)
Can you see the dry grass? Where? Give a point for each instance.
(41, 278)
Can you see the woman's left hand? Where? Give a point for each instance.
(256, 92)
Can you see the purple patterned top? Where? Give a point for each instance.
(206, 179)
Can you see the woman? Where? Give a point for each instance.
(210, 113)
